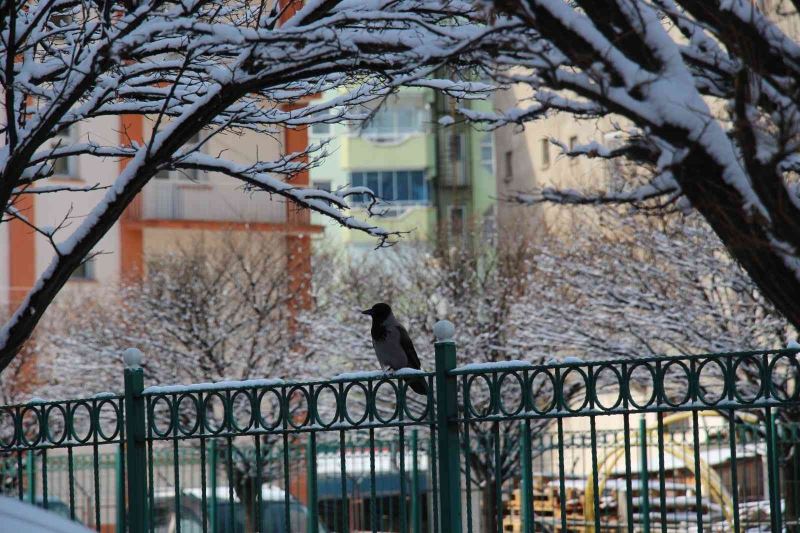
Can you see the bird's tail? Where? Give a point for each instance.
(418, 385)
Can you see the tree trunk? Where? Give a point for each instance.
(489, 508)
(247, 491)
(747, 237)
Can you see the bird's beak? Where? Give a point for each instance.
(367, 312)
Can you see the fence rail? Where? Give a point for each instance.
(698, 443)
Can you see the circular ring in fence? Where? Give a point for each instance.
(651, 375)
(517, 382)
(547, 384)
(672, 380)
(489, 406)
(241, 402)
(157, 419)
(274, 406)
(744, 365)
(57, 422)
(8, 420)
(188, 415)
(787, 379)
(392, 384)
(705, 391)
(113, 417)
(597, 379)
(410, 400)
(356, 387)
(214, 404)
(31, 430)
(298, 394)
(567, 397)
(323, 405)
(75, 421)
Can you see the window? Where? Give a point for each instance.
(324, 185)
(400, 186)
(321, 129)
(508, 158)
(392, 123)
(60, 20)
(457, 173)
(65, 166)
(458, 215)
(457, 146)
(191, 174)
(489, 228)
(573, 142)
(85, 271)
(545, 153)
(487, 152)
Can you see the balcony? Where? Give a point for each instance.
(208, 202)
(363, 153)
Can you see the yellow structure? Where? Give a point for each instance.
(709, 479)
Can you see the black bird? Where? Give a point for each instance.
(392, 344)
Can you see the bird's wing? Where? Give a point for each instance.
(408, 347)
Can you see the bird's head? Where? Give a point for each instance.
(379, 312)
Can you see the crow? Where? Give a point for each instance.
(393, 346)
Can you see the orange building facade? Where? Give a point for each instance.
(173, 208)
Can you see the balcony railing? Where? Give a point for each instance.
(175, 200)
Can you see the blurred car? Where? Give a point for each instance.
(21, 517)
(54, 505)
(273, 512)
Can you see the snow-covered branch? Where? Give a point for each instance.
(714, 122)
(208, 67)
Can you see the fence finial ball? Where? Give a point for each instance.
(444, 330)
(132, 358)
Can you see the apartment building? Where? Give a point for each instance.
(526, 160)
(434, 175)
(175, 208)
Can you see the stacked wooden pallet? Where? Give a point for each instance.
(543, 507)
(547, 510)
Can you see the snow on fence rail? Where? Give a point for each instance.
(569, 445)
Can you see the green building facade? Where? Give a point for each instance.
(436, 175)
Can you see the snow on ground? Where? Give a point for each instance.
(21, 517)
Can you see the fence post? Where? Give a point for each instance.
(311, 484)
(212, 471)
(644, 491)
(415, 523)
(526, 491)
(120, 491)
(135, 453)
(447, 429)
(30, 473)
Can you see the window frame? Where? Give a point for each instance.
(320, 135)
(88, 271)
(451, 209)
(573, 142)
(544, 145)
(396, 133)
(412, 177)
(185, 175)
(69, 136)
(320, 184)
(487, 143)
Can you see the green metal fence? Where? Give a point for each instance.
(697, 443)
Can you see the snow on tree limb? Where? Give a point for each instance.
(710, 88)
(207, 66)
